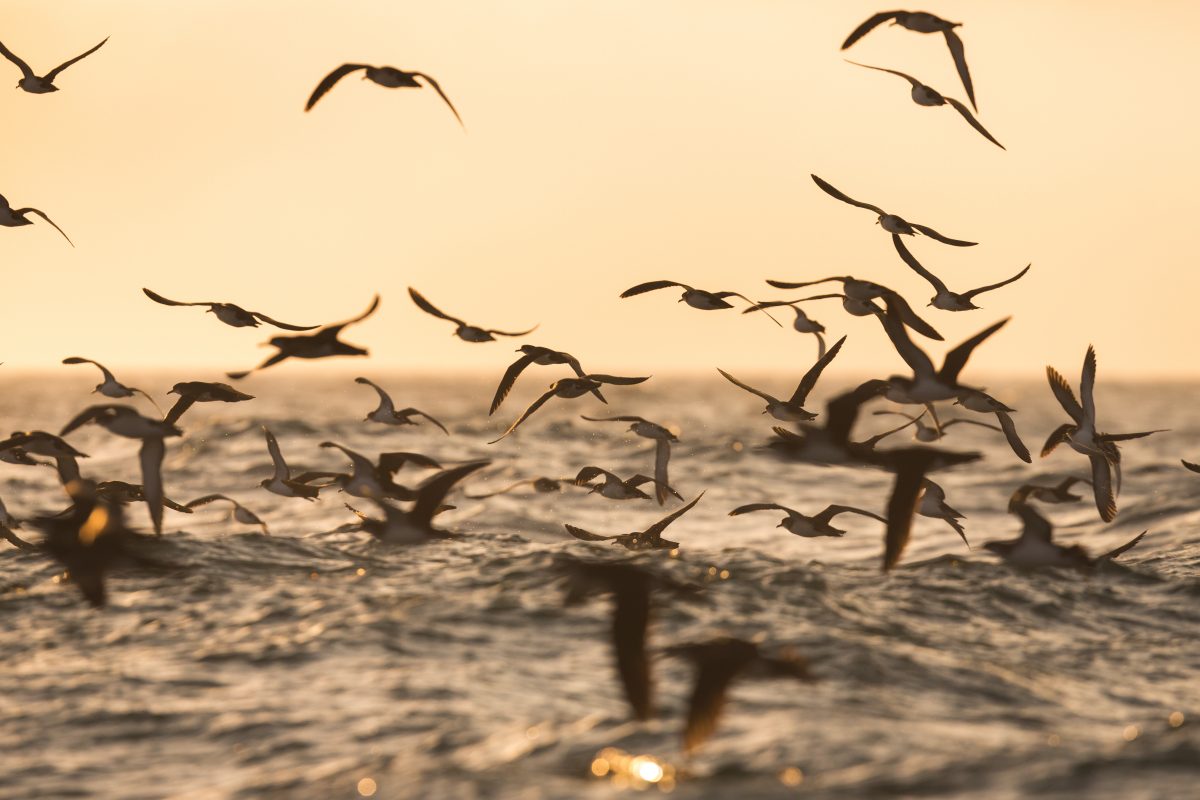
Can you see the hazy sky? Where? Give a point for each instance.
(608, 142)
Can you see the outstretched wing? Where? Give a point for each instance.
(430, 308)
(1006, 282)
(915, 83)
(1102, 488)
(587, 536)
(865, 28)
(281, 467)
(534, 406)
(1064, 395)
(208, 498)
(437, 88)
(916, 266)
(747, 387)
(42, 214)
(650, 287)
(1014, 439)
(50, 76)
(415, 412)
(510, 377)
(284, 325)
(932, 234)
(956, 359)
(1111, 554)
(1087, 386)
(969, 117)
(613, 419)
(334, 330)
(614, 379)
(960, 62)
(11, 56)
(835, 193)
(893, 326)
(752, 507)
(513, 333)
(151, 458)
(832, 511)
(433, 491)
(657, 528)
(810, 378)
(158, 298)
(329, 80)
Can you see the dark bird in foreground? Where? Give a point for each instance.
(387, 414)
(110, 386)
(649, 539)
(388, 77)
(662, 447)
(1035, 547)
(125, 493)
(927, 96)
(7, 524)
(41, 443)
(416, 525)
(240, 512)
(891, 223)
(569, 388)
(718, 663)
(922, 22)
(45, 83)
(945, 299)
(322, 344)
(803, 525)
(696, 298)
(792, 409)
(191, 392)
(858, 298)
(234, 316)
(468, 333)
(16, 217)
(542, 356)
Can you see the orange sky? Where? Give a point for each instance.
(608, 142)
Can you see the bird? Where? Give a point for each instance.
(613, 486)
(388, 77)
(125, 493)
(696, 298)
(542, 356)
(127, 422)
(945, 299)
(191, 392)
(792, 409)
(362, 482)
(924, 432)
(370, 480)
(41, 443)
(1035, 547)
(922, 22)
(569, 388)
(818, 525)
(322, 344)
(924, 95)
(234, 316)
(240, 512)
(891, 223)
(1191, 466)
(802, 322)
(662, 447)
(281, 482)
(857, 296)
(44, 84)
(540, 485)
(933, 505)
(7, 524)
(468, 333)
(1056, 494)
(16, 217)
(718, 663)
(983, 403)
(110, 386)
(387, 414)
(415, 526)
(1081, 434)
(649, 539)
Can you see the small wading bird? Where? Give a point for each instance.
(542, 356)
(792, 410)
(234, 316)
(111, 387)
(16, 217)
(945, 299)
(1035, 547)
(569, 388)
(892, 223)
(662, 447)
(803, 525)
(468, 333)
(44, 84)
(388, 77)
(386, 413)
(613, 487)
(696, 298)
(191, 392)
(922, 22)
(857, 296)
(927, 96)
(240, 512)
(322, 344)
(649, 539)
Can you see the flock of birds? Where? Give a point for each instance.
(91, 535)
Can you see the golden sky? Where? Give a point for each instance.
(608, 142)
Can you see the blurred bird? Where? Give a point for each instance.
(44, 84)
(281, 482)
(649, 539)
(388, 77)
(696, 298)
(416, 525)
(662, 447)
(983, 403)
(1035, 547)
(322, 344)
(234, 316)
(191, 392)
(933, 505)
(891, 223)
(1059, 493)
(41, 443)
(468, 333)
(857, 299)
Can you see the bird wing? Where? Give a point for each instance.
(956, 359)
(534, 406)
(108, 376)
(151, 458)
(747, 387)
(879, 437)
(587, 536)
(284, 325)
(589, 473)
(509, 378)
(333, 330)
(281, 467)
(1111, 554)
(871, 23)
(391, 462)
(430, 308)
(426, 416)
(1102, 487)
(662, 455)
(84, 417)
(832, 511)
(433, 490)
(708, 700)
(1190, 465)
(1005, 282)
(437, 88)
(657, 528)
(810, 378)
(932, 234)
(616, 379)
(787, 285)
(614, 419)
(960, 62)
(1036, 526)
(385, 400)
(914, 356)
(639, 479)
(514, 333)
(842, 411)
(752, 507)
(916, 266)
(329, 80)
(208, 498)
(832, 192)
(42, 214)
(906, 494)
(1087, 386)
(158, 298)
(1064, 395)
(963, 420)
(1014, 439)
(1059, 436)
(631, 617)
(11, 56)
(915, 83)
(970, 118)
(650, 287)
(50, 76)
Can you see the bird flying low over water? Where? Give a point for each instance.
(281, 482)
(16, 217)
(649, 539)
(857, 296)
(415, 526)
(387, 414)
(468, 333)
(803, 525)
(922, 22)
(934, 506)
(111, 387)
(983, 403)
(696, 298)
(240, 512)
(662, 448)
(569, 388)
(891, 223)
(45, 83)
(1035, 547)
(792, 410)
(7, 524)
(542, 356)
(613, 487)
(1058, 493)
(17, 448)
(191, 392)
(540, 485)
(322, 344)
(388, 77)
(945, 299)
(927, 96)
(231, 315)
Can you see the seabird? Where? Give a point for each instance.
(387, 414)
(983, 403)
(16, 217)
(1059, 493)
(202, 392)
(322, 344)
(44, 84)
(696, 298)
(388, 77)
(1035, 547)
(111, 387)
(924, 95)
(922, 22)
(803, 525)
(240, 512)
(127, 422)
(802, 323)
(931, 433)
(7, 524)
(649, 539)
(891, 223)
(371, 479)
(468, 333)
(662, 447)
(569, 388)
(126, 493)
(542, 356)
(934, 505)
(41, 443)
(614, 487)
(540, 485)
(792, 410)
(232, 315)
(416, 525)
(945, 299)
(857, 299)
(281, 482)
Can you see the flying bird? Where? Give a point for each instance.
(468, 333)
(649, 539)
(934, 506)
(858, 298)
(41, 443)
(922, 22)
(540, 485)
(388, 77)
(415, 526)
(234, 316)
(792, 409)
(614, 487)
(44, 84)
(945, 299)
(662, 447)
(1035, 547)
(569, 388)
(281, 482)
(191, 392)
(16, 217)
(983, 403)
(322, 344)
(1058, 493)
(803, 525)
(240, 512)
(542, 356)
(110, 386)
(891, 223)
(387, 414)
(696, 298)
